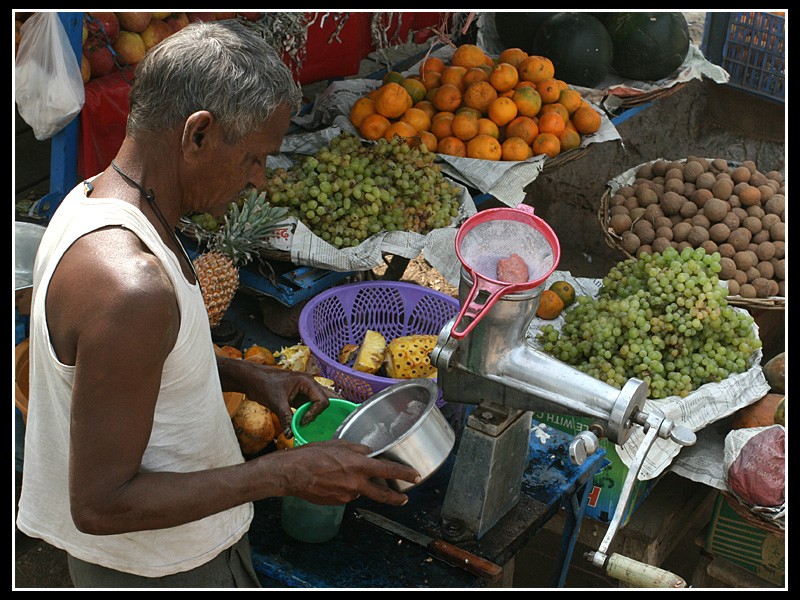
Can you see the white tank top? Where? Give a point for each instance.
(191, 427)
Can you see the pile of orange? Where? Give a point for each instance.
(510, 108)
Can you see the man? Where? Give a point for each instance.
(131, 463)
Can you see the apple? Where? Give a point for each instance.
(161, 15)
(201, 16)
(221, 16)
(130, 47)
(177, 21)
(155, 32)
(103, 25)
(86, 68)
(101, 60)
(135, 22)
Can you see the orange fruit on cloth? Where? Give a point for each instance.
(452, 146)
(586, 120)
(502, 111)
(484, 147)
(565, 291)
(547, 144)
(468, 56)
(550, 305)
(504, 77)
(374, 126)
(515, 149)
(360, 109)
(536, 69)
(392, 100)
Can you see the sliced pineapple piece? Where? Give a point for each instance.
(408, 357)
(347, 352)
(294, 358)
(325, 382)
(370, 354)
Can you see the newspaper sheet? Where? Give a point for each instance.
(697, 411)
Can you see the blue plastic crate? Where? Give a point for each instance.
(753, 52)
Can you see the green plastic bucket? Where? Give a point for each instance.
(324, 426)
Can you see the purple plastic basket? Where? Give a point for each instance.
(341, 315)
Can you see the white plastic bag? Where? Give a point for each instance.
(49, 87)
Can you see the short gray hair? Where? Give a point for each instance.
(224, 67)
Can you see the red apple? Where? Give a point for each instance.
(177, 21)
(201, 16)
(103, 25)
(221, 16)
(100, 58)
(155, 32)
(130, 47)
(135, 22)
(161, 15)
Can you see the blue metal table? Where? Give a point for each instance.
(363, 556)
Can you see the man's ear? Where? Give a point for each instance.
(195, 131)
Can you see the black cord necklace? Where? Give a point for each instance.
(150, 196)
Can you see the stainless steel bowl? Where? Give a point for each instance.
(402, 423)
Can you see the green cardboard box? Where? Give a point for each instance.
(604, 496)
(756, 550)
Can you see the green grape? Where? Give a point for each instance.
(637, 326)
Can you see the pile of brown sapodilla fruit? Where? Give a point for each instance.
(737, 211)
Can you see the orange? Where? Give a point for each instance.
(415, 88)
(528, 101)
(536, 69)
(392, 100)
(432, 63)
(259, 355)
(360, 109)
(504, 77)
(465, 126)
(470, 111)
(468, 55)
(548, 89)
(551, 122)
(556, 107)
(374, 126)
(562, 85)
(550, 305)
(521, 83)
(484, 147)
(394, 76)
(427, 107)
(430, 79)
(480, 95)
(488, 127)
(546, 143)
(522, 127)
(515, 149)
(228, 351)
(447, 97)
(430, 141)
(571, 99)
(475, 74)
(417, 118)
(512, 56)
(453, 75)
(402, 128)
(502, 111)
(564, 290)
(586, 120)
(442, 127)
(452, 146)
(569, 139)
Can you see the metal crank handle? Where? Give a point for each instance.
(641, 574)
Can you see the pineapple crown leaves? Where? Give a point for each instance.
(245, 228)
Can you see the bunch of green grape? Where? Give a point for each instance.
(349, 190)
(662, 318)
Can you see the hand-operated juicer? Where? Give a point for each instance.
(484, 358)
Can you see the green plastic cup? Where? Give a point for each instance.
(324, 426)
(300, 519)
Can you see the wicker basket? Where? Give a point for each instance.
(615, 242)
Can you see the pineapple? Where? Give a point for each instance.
(232, 246)
(294, 358)
(408, 357)
(370, 354)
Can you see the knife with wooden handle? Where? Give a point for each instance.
(442, 550)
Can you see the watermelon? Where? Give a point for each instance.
(648, 46)
(578, 45)
(517, 29)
